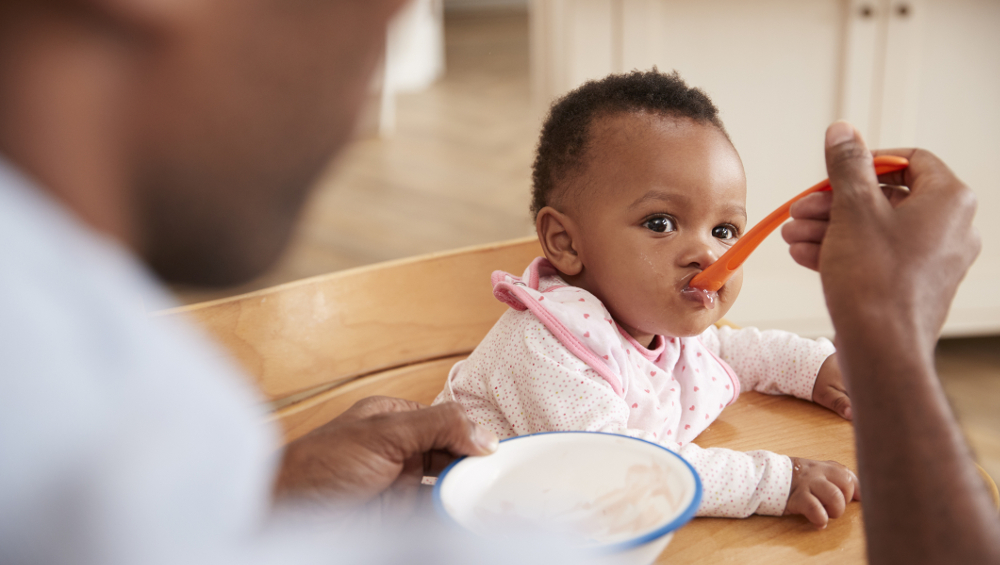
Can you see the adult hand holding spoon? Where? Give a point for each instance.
(715, 275)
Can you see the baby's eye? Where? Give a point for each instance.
(660, 224)
(724, 232)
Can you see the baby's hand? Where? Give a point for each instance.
(829, 390)
(821, 490)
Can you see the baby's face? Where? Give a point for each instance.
(659, 200)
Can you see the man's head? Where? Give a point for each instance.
(224, 112)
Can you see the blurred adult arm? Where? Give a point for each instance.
(890, 268)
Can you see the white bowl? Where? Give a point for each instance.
(619, 496)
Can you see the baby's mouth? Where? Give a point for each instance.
(707, 298)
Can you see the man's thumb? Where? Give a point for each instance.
(849, 165)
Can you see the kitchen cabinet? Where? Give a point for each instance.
(905, 72)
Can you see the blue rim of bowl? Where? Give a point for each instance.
(683, 518)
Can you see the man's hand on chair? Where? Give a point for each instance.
(376, 445)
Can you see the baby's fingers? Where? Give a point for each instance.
(846, 481)
(834, 500)
(836, 400)
(814, 511)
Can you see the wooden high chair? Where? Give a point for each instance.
(316, 346)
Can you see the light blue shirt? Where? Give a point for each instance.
(123, 438)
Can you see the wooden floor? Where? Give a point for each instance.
(457, 173)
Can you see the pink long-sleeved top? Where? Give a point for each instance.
(558, 361)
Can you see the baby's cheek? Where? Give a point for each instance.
(729, 292)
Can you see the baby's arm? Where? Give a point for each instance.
(772, 361)
(777, 362)
(738, 484)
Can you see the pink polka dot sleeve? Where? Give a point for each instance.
(738, 484)
(771, 361)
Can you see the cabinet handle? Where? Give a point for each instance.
(903, 10)
(866, 11)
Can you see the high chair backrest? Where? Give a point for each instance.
(318, 345)
(401, 325)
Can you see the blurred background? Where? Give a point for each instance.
(443, 155)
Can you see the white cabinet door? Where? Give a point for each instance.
(944, 60)
(572, 41)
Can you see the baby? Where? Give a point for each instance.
(637, 188)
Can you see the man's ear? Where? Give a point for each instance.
(556, 233)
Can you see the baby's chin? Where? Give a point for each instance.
(682, 318)
(692, 324)
(687, 331)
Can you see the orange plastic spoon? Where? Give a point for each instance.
(716, 274)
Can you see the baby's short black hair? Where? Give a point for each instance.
(564, 138)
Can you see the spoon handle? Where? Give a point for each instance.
(716, 274)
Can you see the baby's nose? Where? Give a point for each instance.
(701, 254)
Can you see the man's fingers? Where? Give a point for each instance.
(924, 166)
(815, 206)
(435, 461)
(805, 254)
(444, 427)
(849, 164)
(894, 194)
(804, 234)
(373, 405)
(807, 231)
(901, 177)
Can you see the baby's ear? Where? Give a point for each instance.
(555, 232)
